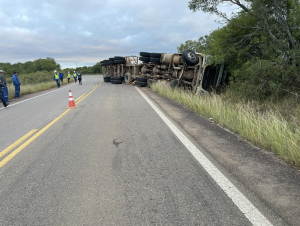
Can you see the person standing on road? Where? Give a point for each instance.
(75, 76)
(5, 90)
(79, 75)
(2, 95)
(56, 77)
(17, 84)
(61, 77)
(69, 76)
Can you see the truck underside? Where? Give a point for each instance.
(187, 69)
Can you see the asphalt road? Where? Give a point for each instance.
(110, 161)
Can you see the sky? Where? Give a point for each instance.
(86, 32)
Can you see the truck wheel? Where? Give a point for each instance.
(155, 55)
(141, 79)
(144, 59)
(190, 57)
(155, 60)
(127, 78)
(119, 58)
(141, 84)
(117, 82)
(173, 83)
(106, 79)
(119, 79)
(119, 62)
(144, 54)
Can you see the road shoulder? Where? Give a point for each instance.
(269, 183)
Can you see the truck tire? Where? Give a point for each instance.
(127, 78)
(144, 54)
(173, 83)
(144, 59)
(119, 62)
(111, 79)
(155, 60)
(117, 81)
(190, 57)
(155, 55)
(119, 58)
(119, 78)
(141, 84)
(111, 59)
(106, 79)
(141, 79)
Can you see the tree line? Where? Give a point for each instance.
(260, 43)
(41, 70)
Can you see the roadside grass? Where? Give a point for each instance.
(30, 88)
(267, 129)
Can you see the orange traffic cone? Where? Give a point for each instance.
(71, 100)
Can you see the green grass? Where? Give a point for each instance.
(30, 88)
(267, 129)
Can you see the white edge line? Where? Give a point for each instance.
(37, 96)
(247, 208)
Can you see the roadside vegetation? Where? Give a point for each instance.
(38, 75)
(265, 127)
(260, 42)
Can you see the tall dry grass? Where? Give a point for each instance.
(267, 129)
(30, 88)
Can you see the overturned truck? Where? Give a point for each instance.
(188, 69)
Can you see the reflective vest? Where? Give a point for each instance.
(69, 75)
(56, 76)
(74, 75)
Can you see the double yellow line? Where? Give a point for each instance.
(25, 144)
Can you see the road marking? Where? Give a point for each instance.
(8, 149)
(89, 93)
(24, 145)
(247, 208)
(37, 96)
(19, 149)
(79, 97)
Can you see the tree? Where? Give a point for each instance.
(198, 46)
(278, 18)
(260, 43)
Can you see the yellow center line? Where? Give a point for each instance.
(89, 93)
(25, 144)
(79, 97)
(8, 149)
(15, 152)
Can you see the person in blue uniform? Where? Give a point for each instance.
(17, 84)
(61, 77)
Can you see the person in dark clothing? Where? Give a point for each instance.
(17, 84)
(4, 89)
(79, 76)
(2, 95)
(61, 77)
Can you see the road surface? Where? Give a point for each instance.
(111, 161)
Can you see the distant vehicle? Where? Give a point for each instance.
(187, 69)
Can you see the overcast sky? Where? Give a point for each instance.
(88, 31)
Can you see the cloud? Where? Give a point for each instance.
(91, 30)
